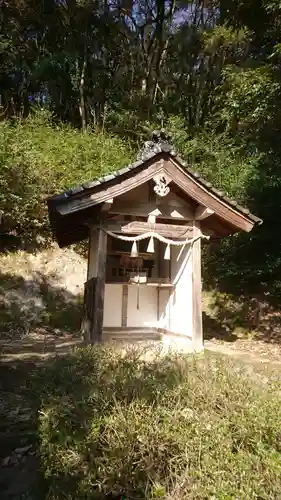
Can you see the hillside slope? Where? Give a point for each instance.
(43, 289)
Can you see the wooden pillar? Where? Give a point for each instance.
(197, 333)
(124, 312)
(95, 287)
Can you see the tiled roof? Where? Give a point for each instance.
(151, 149)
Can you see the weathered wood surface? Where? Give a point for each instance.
(143, 210)
(88, 313)
(124, 305)
(139, 227)
(203, 213)
(190, 186)
(94, 288)
(132, 335)
(117, 187)
(100, 286)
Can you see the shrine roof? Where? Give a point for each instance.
(152, 151)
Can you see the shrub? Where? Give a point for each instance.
(39, 158)
(174, 428)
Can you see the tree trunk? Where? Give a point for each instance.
(82, 108)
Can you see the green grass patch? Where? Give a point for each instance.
(175, 427)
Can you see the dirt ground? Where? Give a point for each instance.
(250, 351)
(41, 344)
(20, 476)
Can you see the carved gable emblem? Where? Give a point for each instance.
(161, 187)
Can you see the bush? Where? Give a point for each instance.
(39, 159)
(173, 428)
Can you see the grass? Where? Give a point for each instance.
(112, 425)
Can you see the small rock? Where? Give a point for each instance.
(23, 449)
(15, 412)
(6, 461)
(15, 459)
(24, 418)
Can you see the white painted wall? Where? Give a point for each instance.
(175, 305)
(146, 315)
(166, 308)
(112, 314)
(180, 302)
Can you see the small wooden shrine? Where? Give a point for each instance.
(145, 224)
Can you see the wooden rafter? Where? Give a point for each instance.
(203, 212)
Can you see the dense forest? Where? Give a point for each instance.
(84, 82)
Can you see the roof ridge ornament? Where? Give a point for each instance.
(160, 142)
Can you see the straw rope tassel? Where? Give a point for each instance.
(138, 296)
(167, 255)
(134, 251)
(150, 246)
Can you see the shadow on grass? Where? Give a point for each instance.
(213, 329)
(107, 424)
(85, 387)
(37, 319)
(228, 317)
(75, 387)
(225, 317)
(20, 475)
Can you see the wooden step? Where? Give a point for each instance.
(132, 335)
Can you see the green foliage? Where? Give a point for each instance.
(39, 159)
(211, 76)
(246, 100)
(218, 158)
(173, 427)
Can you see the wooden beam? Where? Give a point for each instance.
(166, 211)
(124, 312)
(197, 333)
(87, 318)
(96, 276)
(137, 227)
(92, 254)
(203, 212)
(100, 286)
(113, 188)
(107, 205)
